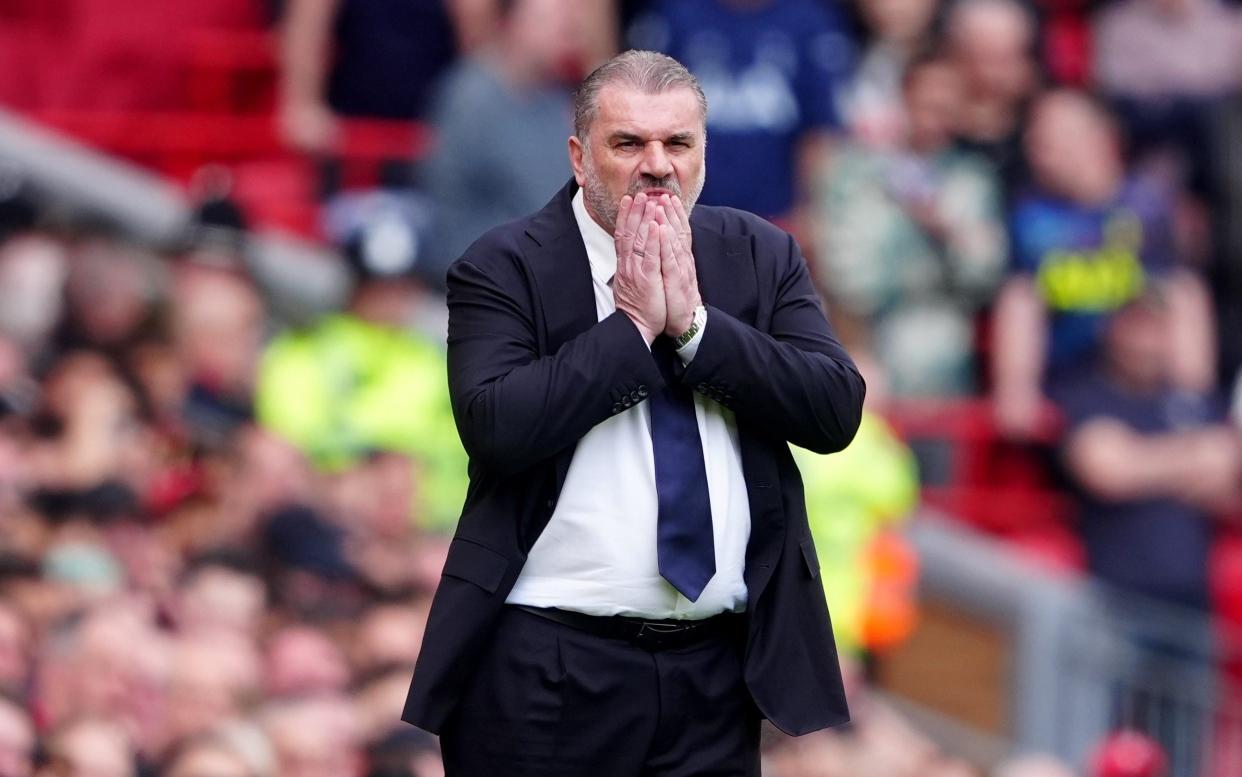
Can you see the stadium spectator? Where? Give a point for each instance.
(1151, 462)
(993, 41)
(1086, 240)
(360, 382)
(1167, 64)
(872, 102)
(90, 748)
(912, 240)
(216, 596)
(301, 660)
(856, 503)
(314, 737)
(358, 58)
(213, 677)
(109, 294)
(771, 70)
(501, 116)
(217, 327)
(207, 757)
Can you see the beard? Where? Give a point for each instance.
(601, 201)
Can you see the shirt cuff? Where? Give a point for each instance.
(687, 351)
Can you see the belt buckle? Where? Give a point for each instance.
(656, 636)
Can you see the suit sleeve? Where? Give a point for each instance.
(514, 407)
(794, 380)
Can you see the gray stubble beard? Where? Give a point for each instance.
(599, 201)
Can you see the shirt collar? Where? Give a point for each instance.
(600, 249)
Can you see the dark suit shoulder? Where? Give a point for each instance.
(499, 246)
(734, 223)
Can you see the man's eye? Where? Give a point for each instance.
(628, 144)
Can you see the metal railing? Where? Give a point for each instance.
(1086, 661)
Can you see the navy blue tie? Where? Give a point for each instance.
(684, 544)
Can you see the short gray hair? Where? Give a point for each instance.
(648, 71)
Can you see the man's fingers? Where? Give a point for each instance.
(661, 246)
(625, 229)
(634, 218)
(670, 265)
(663, 210)
(682, 219)
(623, 214)
(641, 239)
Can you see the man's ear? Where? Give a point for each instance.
(576, 153)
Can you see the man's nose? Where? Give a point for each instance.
(656, 162)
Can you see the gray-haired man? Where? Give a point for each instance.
(632, 585)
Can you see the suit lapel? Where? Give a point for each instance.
(565, 298)
(561, 272)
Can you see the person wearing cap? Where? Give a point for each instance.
(633, 584)
(363, 381)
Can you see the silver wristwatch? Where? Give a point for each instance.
(700, 318)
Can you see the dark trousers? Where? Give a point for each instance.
(549, 699)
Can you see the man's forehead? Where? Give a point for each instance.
(627, 109)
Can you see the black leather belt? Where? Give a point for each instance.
(647, 634)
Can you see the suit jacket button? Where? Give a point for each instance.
(702, 387)
(642, 391)
(616, 408)
(635, 396)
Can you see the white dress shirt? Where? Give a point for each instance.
(597, 554)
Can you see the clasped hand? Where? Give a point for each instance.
(655, 285)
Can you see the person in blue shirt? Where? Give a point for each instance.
(1151, 464)
(770, 69)
(1086, 239)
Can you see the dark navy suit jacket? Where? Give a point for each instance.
(532, 370)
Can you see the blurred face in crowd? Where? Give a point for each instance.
(389, 635)
(32, 270)
(17, 741)
(212, 678)
(379, 702)
(315, 737)
(114, 664)
(1072, 148)
(208, 759)
(546, 31)
(219, 599)
(85, 389)
(933, 94)
(93, 748)
(898, 21)
(302, 660)
(109, 291)
(1139, 343)
(991, 40)
(218, 320)
(640, 142)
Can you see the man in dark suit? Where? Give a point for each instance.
(633, 585)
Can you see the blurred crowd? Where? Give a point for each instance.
(220, 528)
